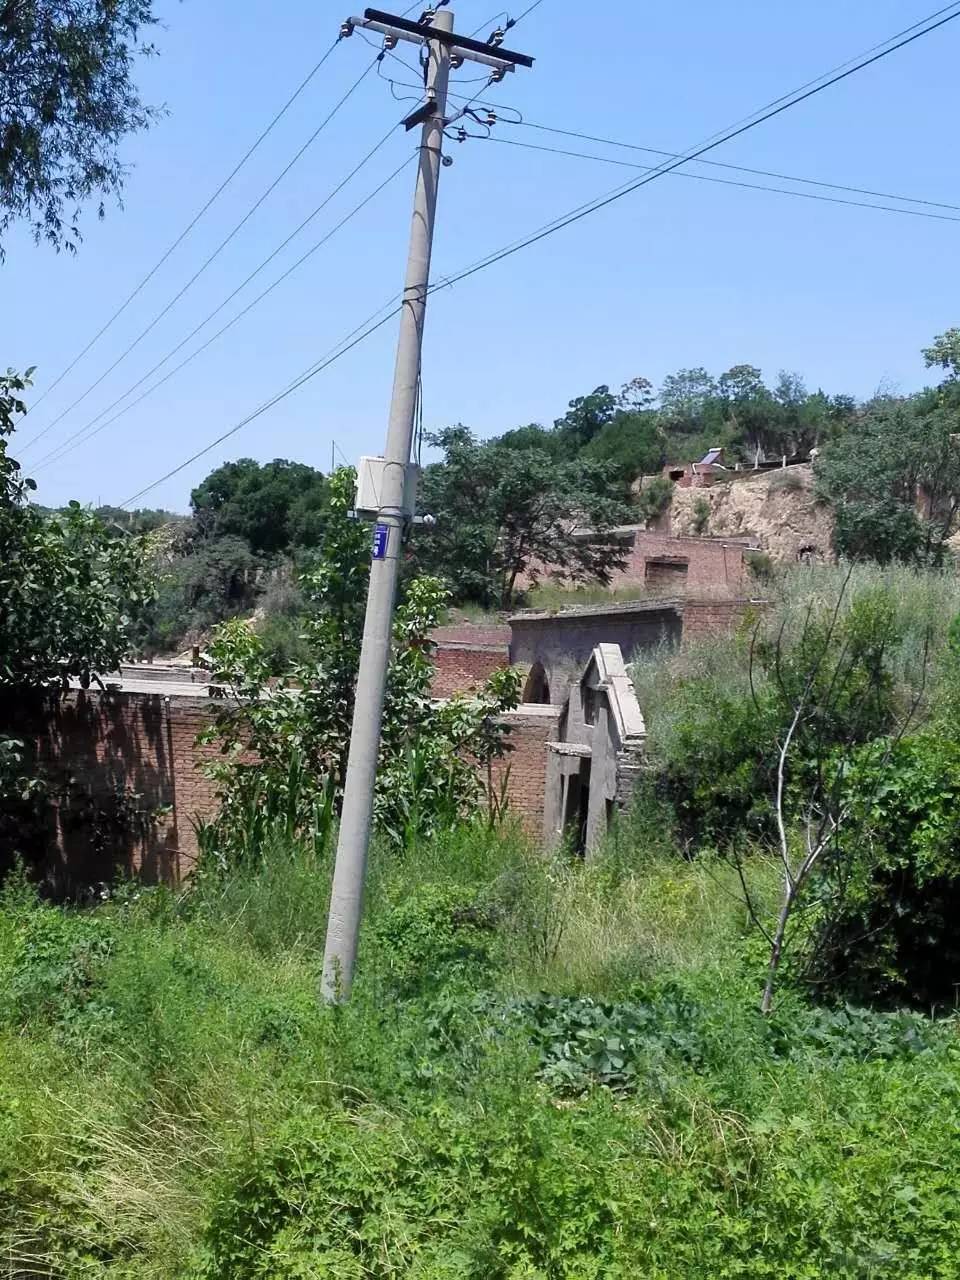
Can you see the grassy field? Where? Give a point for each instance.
(547, 1070)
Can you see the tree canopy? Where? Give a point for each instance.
(274, 506)
(893, 478)
(504, 514)
(70, 590)
(67, 100)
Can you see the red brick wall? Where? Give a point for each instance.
(89, 745)
(525, 766)
(711, 564)
(713, 617)
(466, 655)
(93, 747)
(459, 668)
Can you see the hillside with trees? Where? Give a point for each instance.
(887, 470)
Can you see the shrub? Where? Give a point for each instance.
(786, 480)
(892, 938)
(701, 515)
(761, 565)
(56, 965)
(654, 498)
(436, 934)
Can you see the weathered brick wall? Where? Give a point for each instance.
(113, 768)
(92, 746)
(714, 617)
(195, 792)
(525, 765)
(713, 565)
(466, 655)
(459, 667)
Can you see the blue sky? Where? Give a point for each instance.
(680, 273)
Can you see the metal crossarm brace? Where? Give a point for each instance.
(470, 50)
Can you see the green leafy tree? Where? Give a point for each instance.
(586, 417)
(274, 507)
(69, 589)
(631, 443)
(945, 352)
(67, 99)
(893, 480)
(285, 742)
(684, 398)
(507, 515)
(71, 592)
(536, 437)
(636, 395)
(892, 937)
(755, 416)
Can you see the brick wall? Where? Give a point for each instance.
(460, 667)
(659, 561)
(123, 786)
(525, 765)
(466, 655)
(714, 617)
(91, 745)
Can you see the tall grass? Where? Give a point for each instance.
(174, 1102)
(925, 603)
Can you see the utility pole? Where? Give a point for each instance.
(435, 31)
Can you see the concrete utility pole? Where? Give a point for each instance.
(435, 30)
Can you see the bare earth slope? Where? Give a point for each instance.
(776, 507)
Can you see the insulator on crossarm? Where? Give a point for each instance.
(390, 42)
(346, 29)
(456, 61)
(497, 74)
(496, 37)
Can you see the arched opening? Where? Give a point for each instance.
(537, 687)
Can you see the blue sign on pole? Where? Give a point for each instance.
(381, 540)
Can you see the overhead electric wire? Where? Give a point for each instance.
(529, 9)
(74, 442)
(750, 186)
(210, 259)
(601, 202)
(56, 453)
(843, 65)
(261, 409)
(558, 224)
(719, 164)
(485, 26)
(190, 225)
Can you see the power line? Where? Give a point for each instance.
(58, 451)
(558, 224)
(209, 260)
(721, 164)
(74, 442)
(267, 404)
(750, 186)
(190, 225)
(529, 9)
(486, 26)
(844, 65)
(594, 206)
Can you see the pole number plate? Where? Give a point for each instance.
(381, 540)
